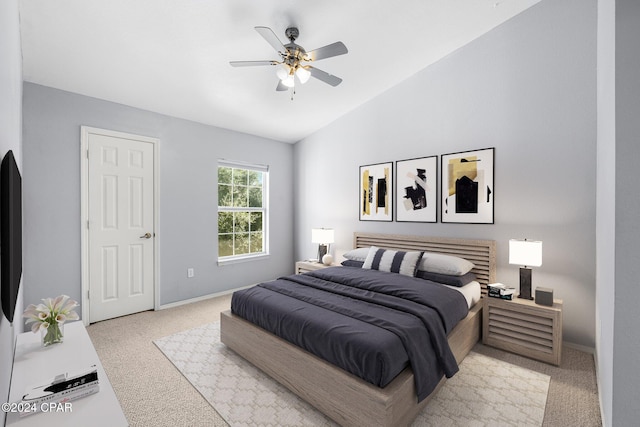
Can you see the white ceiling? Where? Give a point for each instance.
(172, 56)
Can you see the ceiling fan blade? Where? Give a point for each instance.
(281, 87)
(252, 63)
(328, 51)
(324, 76)
(271, 38)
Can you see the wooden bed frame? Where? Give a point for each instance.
(343, 397)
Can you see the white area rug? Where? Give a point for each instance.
(485, 392)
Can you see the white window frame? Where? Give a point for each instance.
(233, 259)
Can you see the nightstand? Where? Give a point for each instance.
(305, 266)
(523, 327)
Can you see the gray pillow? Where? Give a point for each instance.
(359, 254)
(444, 264)
(352, 263)
(447, 279)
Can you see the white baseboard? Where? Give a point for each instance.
(599, 385)
(201, 298)
(580, 347)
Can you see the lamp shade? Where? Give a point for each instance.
(322, 235)
(525, 252)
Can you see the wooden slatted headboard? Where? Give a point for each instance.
(482, 253)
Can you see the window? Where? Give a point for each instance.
(242, 211)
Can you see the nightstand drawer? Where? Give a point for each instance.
(525, 328)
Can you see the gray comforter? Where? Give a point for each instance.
(369, 323)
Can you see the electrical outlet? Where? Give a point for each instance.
(190, 272)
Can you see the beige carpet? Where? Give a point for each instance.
(153, 393)
(485, 392)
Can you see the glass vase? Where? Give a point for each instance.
(53, 334)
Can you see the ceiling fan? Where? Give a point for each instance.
(293, 61)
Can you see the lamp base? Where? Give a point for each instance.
(525, 283)
(322, 251)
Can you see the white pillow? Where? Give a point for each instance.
(392, 261)
(444, 264)
(359, 254)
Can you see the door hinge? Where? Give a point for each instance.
(87, 224)
(87, 154)
(88, 294)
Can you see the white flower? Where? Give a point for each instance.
(31, 314)
(35, 327)
(68, 306)
(49, 312)
(72, 315)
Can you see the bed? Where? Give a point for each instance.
(342, 396)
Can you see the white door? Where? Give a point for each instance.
(120, 224)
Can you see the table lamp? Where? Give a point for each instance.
(323, 237)
(526, 253)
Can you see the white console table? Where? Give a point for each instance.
(34, 364)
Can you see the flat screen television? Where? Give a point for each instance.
(10, 233)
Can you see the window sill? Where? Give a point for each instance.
(240, 259)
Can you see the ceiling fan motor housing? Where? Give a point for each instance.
(295, 53)
(292, 33)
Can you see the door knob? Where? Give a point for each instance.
(146, 236)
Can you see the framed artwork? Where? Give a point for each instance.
(416, 189)
(376, 192)
(467, 187)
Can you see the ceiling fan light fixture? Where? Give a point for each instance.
(303, 74)
(283, 72)
(292, 57)
(288, 81)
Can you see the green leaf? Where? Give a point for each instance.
(256, 221)
(225, 222)
(241, 222)
(240, 176)
(255, 197)
(224, 195)
(256, 243)
(240, 199)
(241, 244)
(224, 175)
(255, 178)
(225, 245)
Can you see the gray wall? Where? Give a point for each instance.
(10, 139)
(527, 88)
(626, 338)
(188, 195)
(617, 334)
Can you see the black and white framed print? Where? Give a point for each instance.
(467, 187)
(416, 189)
(376, 192)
